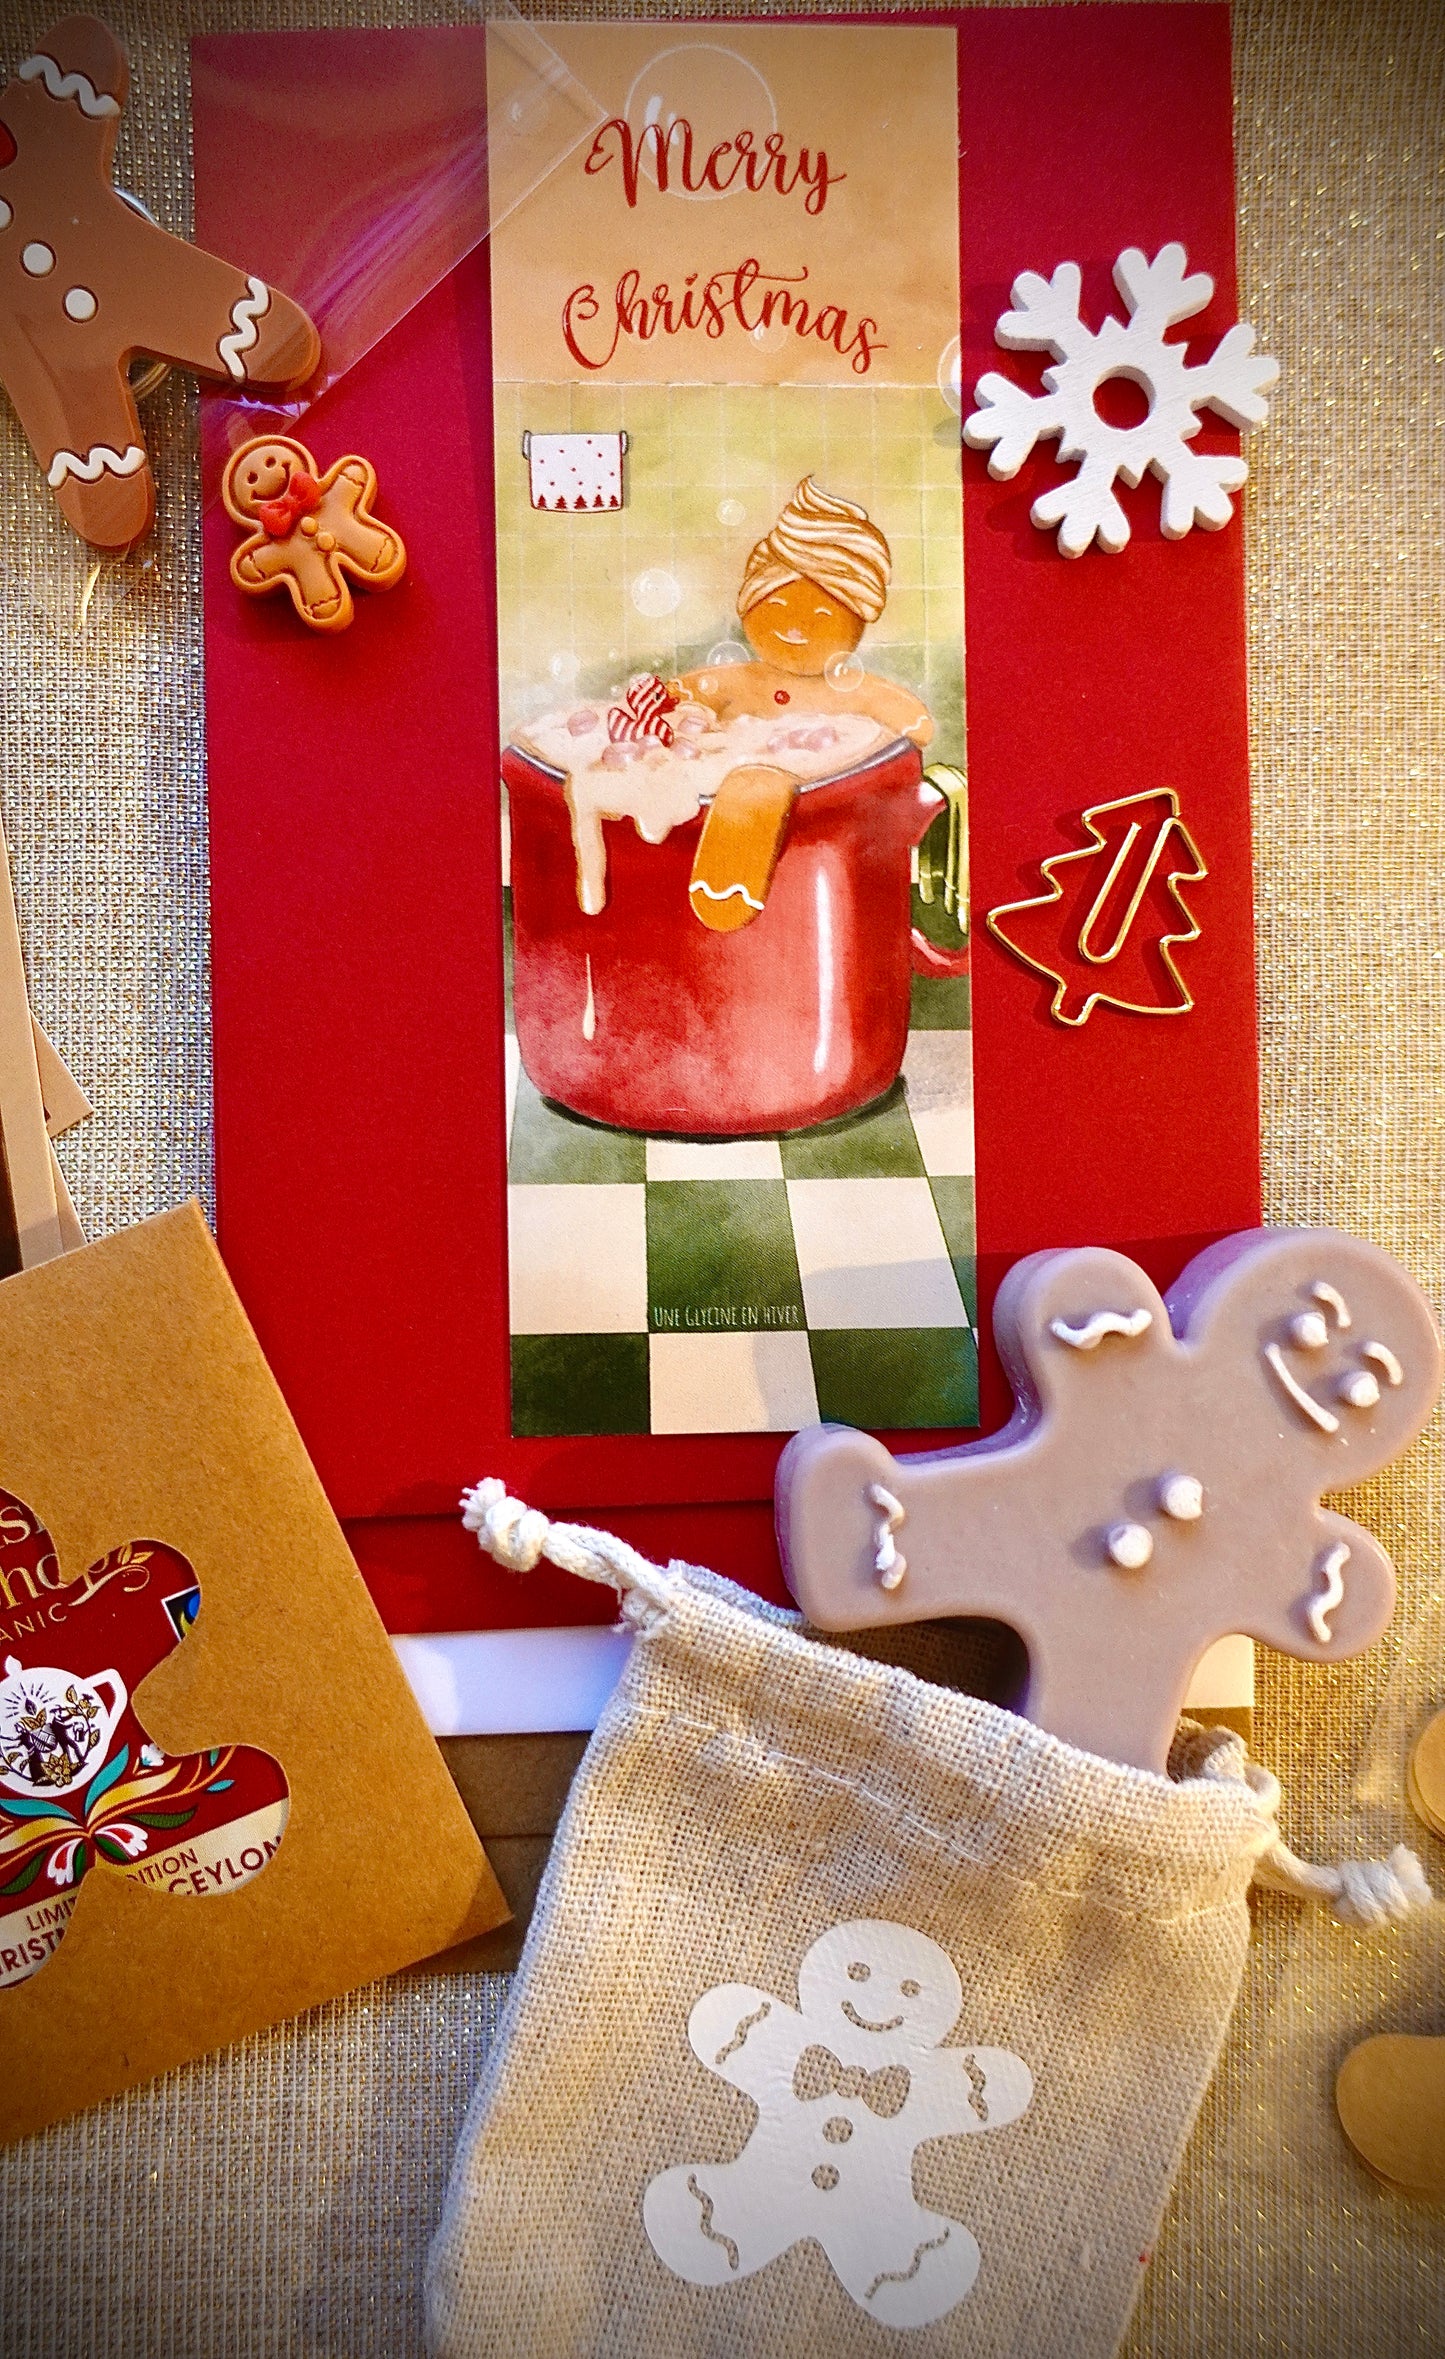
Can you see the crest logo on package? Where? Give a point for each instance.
(847, 2085)
(81, 1785)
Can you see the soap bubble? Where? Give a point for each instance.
(729, 651)
(656, 593)
(564, 667)
(843, 672)
(714, 89)
(730, 512)
(770, 335)
(950, 375)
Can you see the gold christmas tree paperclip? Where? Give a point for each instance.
(1116, 905)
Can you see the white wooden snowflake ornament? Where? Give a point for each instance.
(1045, 318)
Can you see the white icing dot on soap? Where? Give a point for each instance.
(1182, 1497)
(1360, 1389)
(37, 259)
(1130, 1546)
(1309, 1332)
(80, 303)
(6, 216)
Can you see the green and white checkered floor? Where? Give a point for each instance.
(754, 1285)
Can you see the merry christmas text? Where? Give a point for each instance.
(741, 161)
(746, 297)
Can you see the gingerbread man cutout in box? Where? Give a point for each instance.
(309, 531)
(1157, 1487)
(87, 281)
(81, 1784)
(847, 2085)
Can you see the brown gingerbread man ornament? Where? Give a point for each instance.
(308, 531)
(87, 281)
(1157, 1487)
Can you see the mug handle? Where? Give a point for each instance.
(118, 1689)
(930, 958)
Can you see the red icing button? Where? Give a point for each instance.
(780, 696)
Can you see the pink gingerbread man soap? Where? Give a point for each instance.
(1157, 1487)
(308, 532)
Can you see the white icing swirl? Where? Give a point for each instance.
(92, 102)
(1320, 1608)
(99, 460)
(1089, 1337)
(245, 312)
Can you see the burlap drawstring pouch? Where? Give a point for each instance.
(854, 2010)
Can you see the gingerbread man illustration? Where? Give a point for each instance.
(1157, 1487)
(309, 531)
(809, 589)
(87, 281)
(847, 2085)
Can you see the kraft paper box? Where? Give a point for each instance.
(148, 1462)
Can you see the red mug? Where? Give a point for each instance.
(641, 1018)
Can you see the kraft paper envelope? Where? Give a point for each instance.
(29, 1214)
(65, 1101)
(138, 1407)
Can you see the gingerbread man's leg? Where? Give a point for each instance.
(904, 2271)
(318, 590)
(91, 450)
(712, 2222)
(373, 550)
(187, 306)
(377, 554)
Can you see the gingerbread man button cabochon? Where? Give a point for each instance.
(308, 532)
(1157, 1487)
(86, 282)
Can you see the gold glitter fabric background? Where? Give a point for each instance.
(277, 2199)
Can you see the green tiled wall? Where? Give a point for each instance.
(707, 469)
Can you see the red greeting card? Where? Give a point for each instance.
(599, 1149)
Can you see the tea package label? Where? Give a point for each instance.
(82, 1787)
(730, 610)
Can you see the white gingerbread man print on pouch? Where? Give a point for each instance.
(847, 2085)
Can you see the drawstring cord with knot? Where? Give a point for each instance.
(519, 1537)
(1360, 1892)
(1366, 1892)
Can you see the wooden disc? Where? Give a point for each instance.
(1419, 1805)
(1391, 2099)
(1425, 1781)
